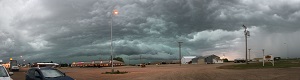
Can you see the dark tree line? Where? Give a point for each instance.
(118, 59)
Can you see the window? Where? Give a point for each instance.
(3, 72)
(51, 73)
(31, 72)
(36, 73)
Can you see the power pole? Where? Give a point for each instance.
(263, 57)
(179, 43)
(249, 54)
(246, 48)
(141, 59)
(287, 51)
(247, 33)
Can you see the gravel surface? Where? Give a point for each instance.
(176, 72)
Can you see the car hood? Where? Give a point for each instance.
(61, 78)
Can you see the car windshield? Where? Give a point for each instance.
(51, 73)
(3, 72)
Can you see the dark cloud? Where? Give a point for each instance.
(73, 29)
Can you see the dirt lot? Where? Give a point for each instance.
(176, 72)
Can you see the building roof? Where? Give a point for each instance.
(93, 62)
(47, 64)
(189, 56)
(108, 61)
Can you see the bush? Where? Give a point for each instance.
(225, 60)
(116, 72)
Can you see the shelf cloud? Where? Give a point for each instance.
(79, 30)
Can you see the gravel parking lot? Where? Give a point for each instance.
(176, 72)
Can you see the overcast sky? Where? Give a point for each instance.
(79, 30)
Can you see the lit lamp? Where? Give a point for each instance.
(115, 12)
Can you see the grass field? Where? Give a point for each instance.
(259, 65)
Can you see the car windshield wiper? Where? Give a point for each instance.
(59, 76)
(48, 77)
(54, 77)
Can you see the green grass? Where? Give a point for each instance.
(259, 65)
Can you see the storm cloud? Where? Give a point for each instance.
(79, 30)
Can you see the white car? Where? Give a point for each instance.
(4, 75)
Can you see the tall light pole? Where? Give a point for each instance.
(22, 59)
(179, 44)
(247, 33)
(287, 51)
(115, 12)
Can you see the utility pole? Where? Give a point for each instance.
(179, 43)
(287, 51)
(246, 48)
(141, 59)
(263, 57)
(249, 54)
(247, 33)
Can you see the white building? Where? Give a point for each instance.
(187, 59)
(211, 59)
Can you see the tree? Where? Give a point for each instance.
(225, 60)
(118, 59)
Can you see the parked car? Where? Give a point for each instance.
(4, 75)
(46, 73)
(239, 61)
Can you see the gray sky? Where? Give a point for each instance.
(79, 30)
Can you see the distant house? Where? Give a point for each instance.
(211, 59)
(106, 63)
(45, 64)
(258, 59)
(198, 60)
(187, 59)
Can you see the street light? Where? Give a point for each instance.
(179, 45)
(115, 12)
(22, 59)
(247, 33)
(287, 51)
